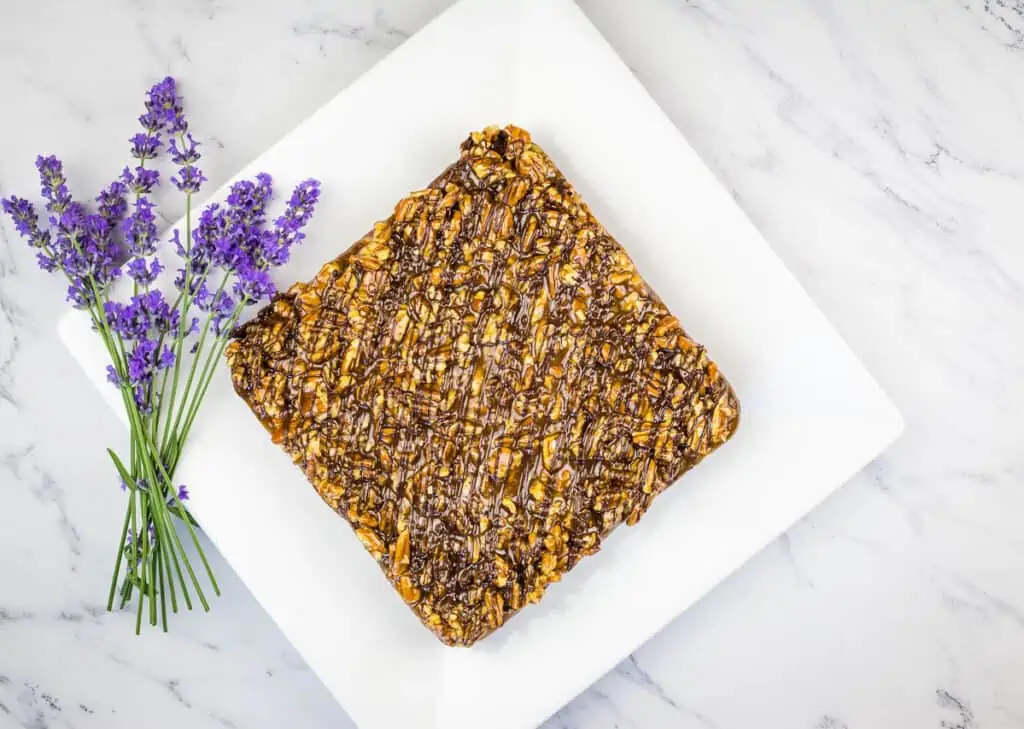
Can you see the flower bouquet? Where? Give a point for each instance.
(163, 348)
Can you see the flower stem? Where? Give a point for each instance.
(204, 380)
(143, 546)
(188, 523)
(149, 457)
(163, 591)
(175, 540)
(186, 304)
(120, 549)
(165, 565)
(171, 434)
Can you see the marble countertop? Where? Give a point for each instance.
(880, 149)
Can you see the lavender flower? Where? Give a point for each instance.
(221, 310)
(141, 181)
(53, 185)
(26, 221)
(147, 315)
(142, 271)
(253, 284)
(189, 179)
(152, 120)
(248, 199)
(163, 113)
(275, 248)
(145, 146)
(164, 108)
(83, 248)
(112, 203)
(189, 152)
(142, 324)
(47, 262)
(140, 229)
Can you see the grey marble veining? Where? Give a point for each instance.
(878, 146)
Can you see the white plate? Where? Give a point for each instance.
(812, 415)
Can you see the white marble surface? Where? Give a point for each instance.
(879, 146)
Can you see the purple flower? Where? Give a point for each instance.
(144, 146)
(140, 229)
(209, 229)
(163, 107)
(163, 113)
(176, 240)
(152, 121)
(141, 360)
(83, 248)
(189, 152)
(141, 181)
(53, 184)
(112, 203)
(302, 203)
(221, 310)
(47, 263)
(144, 273)
(197, 288)
(253, 284)
(144, 360)
(26, 222)
(275, 245)
(145, 316)
(248, 200)
(231, 237)
(72, 218)
(189, 176)
(182, 493)
(189, 179)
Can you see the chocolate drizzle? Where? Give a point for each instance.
(483, 386)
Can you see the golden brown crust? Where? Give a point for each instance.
(483, 386)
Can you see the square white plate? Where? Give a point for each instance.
(812, 415)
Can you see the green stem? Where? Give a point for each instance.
(163, 591)
(145, 447)
(158, 401)
(188, 523)
(163, 539)
(169, 526)
(120, 550)
(159, 408)
(166, 576)
(143, 547)
(186, 299)
(150, 456)
(207, 376)
(135, 548)
(170, 435)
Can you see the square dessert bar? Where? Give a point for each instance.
(483, 386)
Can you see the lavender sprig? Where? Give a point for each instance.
(227, 255)
(53, 185)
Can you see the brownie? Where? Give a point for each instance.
(483, 386)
